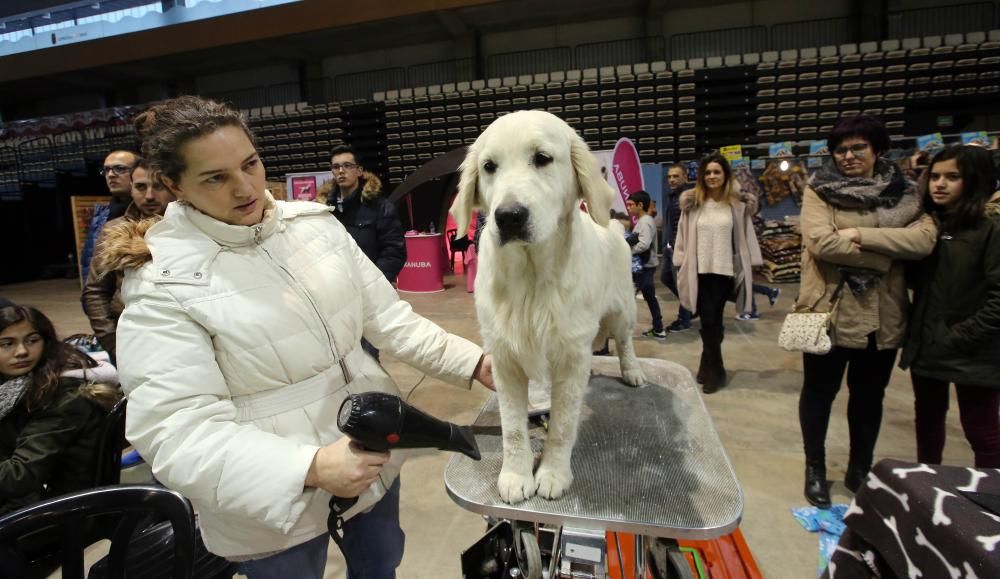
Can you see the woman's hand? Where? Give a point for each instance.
(851, 234)
(344, 468)
(484, 372)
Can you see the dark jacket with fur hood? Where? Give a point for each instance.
(955, 323)
(372, 221)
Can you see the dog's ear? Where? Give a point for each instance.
(467, 199)
(594, 190)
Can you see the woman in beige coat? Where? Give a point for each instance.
(860, 220)
(716, 251)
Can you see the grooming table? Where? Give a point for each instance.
(647, 461)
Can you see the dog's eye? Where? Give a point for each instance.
(541, 159)
(490, 167)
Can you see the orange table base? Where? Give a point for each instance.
(727, 557)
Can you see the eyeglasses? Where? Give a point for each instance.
(343, 167)
(116, 169)
(856, 149)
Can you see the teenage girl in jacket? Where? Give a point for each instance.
(53, 400)
(716, 252)
(239, 341)
(955, 325)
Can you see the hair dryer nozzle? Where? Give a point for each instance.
(463, 440)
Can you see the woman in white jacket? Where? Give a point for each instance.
(240, 338)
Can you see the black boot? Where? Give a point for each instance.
(714, 369)
(700, 377)
(816, 490)
(854, 476)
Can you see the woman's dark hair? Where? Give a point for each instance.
(979, 181)
(167, 126)
(865, 126)
(57, 356)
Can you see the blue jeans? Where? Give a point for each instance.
(644, 283)
(373, 542)
(762, 290)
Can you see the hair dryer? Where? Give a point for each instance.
(382, 422)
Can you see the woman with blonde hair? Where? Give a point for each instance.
(716, 252)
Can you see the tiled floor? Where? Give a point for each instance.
(756, 416)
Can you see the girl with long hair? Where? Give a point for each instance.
(954, 333)
(716, 252)
(53, 399)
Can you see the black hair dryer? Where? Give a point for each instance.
(382, 422)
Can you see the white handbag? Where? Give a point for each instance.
(808, 331)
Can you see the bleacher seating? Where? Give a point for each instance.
(673, 110)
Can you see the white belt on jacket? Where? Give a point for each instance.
(250, 407)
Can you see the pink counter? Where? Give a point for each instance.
(424, 267)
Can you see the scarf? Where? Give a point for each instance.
(894, 199)
(11, 392)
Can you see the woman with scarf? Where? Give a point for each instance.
(53, 400)
(861, 219)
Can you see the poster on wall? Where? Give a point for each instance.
(304, 186)
(978, 138)
(930, 143)
(82, 208)
(818, 150)
(732, 153)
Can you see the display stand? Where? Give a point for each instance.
(423, 271)
(82, 208)
(648, 461)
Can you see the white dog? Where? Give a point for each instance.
(553, 283)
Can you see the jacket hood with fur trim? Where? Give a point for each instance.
(371, 189)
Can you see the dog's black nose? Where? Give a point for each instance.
(511, 220)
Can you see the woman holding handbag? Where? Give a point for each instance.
(955, 325)
(860, 219)
(716, 252)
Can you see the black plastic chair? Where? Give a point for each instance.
(457, 245)
(66, 519)
(112, 441)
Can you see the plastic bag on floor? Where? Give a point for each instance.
(829, 523)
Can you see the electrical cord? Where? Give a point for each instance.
(413, 389)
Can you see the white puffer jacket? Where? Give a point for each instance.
(234, 350)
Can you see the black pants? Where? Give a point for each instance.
(713, 292)
(868, 373)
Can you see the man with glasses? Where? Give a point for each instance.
(369, 217)
(117, 172)
(102, 292)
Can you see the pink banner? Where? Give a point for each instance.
(626, 169)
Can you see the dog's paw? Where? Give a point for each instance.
(633, 377)
(515, 487)
(553, 483)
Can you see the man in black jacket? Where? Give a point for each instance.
(370, 218)
(677, 182)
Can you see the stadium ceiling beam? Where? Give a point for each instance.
(254, 25)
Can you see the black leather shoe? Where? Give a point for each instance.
(816, 490)
(854, 476)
